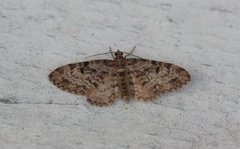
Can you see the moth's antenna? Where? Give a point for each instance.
(98, 54)
(130, 52)
(136, 56)
(110, 49)
(132, 55)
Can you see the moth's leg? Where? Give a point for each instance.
(110, 49)
(132, 50)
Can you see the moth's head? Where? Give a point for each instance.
(119, 54)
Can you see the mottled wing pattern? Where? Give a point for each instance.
(94, 79)
(151, 78)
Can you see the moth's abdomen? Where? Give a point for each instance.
(124, 82)
(121, 83)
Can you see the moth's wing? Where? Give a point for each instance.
(92, 78)
(151, 78)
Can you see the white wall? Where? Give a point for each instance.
(38, 36)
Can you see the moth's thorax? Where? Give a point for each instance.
(120, 63)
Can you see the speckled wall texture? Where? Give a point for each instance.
(37, 36)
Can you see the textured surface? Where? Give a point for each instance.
(38, 36)
(102, 81)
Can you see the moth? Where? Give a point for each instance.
(103, 81)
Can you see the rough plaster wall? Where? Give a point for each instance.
(201, 36)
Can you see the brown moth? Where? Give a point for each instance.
(103, 81)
